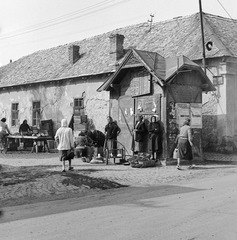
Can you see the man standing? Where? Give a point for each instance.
(64, 139)
(112, 130)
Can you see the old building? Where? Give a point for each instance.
(63, 81)
(148, 84)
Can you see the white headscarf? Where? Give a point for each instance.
(64, 123)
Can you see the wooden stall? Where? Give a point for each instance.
(148, 84)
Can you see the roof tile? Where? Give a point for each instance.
(178, 36)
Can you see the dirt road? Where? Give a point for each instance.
(201, 207)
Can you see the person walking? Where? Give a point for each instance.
(155, 130)
(185, 144)
(64, 139)
(4, 131)
(139, 132)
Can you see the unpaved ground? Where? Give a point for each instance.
(27, 178)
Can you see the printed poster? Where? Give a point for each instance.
(183, 112)
(196, 115)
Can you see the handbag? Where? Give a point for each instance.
(175, 153)
(70, 154)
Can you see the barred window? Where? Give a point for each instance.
(14, 114)
(78, 103)
(36, 114)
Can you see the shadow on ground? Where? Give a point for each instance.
(131, 197)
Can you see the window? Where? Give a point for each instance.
(78, 105)
(15, 113)
(140, 83)
(36, 114)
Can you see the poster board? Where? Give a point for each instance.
(183, 112)
(140, 84)
(189, 110)
(196, 115)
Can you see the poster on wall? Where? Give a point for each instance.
(183, 112)
(196, 115)
(192, 111)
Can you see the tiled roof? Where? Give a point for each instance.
(162, 69)
(179, 36)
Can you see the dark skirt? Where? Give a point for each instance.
(111, 144)
(66, 155)
(185, 149)
(155, 143)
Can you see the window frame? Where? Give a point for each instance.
(36, 109)
(79, 100)
(14, 114)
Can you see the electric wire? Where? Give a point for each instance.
(65, 18)
(224, 9)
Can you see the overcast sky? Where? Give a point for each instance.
(27, 26)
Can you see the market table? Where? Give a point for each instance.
(35, 139)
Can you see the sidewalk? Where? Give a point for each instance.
(220, 157)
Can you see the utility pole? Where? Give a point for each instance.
(203, 41)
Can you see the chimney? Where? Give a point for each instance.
(73, 53)
(116, 47)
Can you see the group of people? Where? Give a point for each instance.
(89, 143)
(24, 129)
(184, 140)
(155, 131)
(85, 140)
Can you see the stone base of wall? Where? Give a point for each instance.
(209, 132)
(210, 141)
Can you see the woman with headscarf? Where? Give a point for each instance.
(24, 128)
(64, 139)
(155, 130)
(139, 131)
(185, 144)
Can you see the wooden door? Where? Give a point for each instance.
(126, 121)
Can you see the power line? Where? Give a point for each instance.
(224, 9)
(65, 18)
(228, 15)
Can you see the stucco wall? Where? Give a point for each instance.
(222, 104)
(57, 101)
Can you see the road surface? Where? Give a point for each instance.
(203, 208)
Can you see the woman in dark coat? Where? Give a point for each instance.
(139, 132)
(112, 130)
(155, 130)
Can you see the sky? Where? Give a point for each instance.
(27, 26)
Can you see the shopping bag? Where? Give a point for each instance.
(175, 153)
(70, 154)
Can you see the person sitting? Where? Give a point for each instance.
(98, 139)
(83, 145)
(24, 128)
